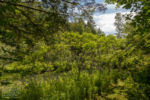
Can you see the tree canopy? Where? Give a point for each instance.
(52, 50)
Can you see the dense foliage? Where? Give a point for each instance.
(49, 51)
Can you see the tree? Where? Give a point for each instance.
(139, 19)
(100, 32)
(78, 26)
(25, 22)
(138, 39)
(119, 25)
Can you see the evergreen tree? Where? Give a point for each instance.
(119, 25)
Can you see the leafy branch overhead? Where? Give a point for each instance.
(28, 21)
(52, 50)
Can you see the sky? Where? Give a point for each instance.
(105, 21)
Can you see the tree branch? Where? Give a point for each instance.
(27, 7)
(5, 58)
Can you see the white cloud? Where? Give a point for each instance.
(106, 22)
(111, 6)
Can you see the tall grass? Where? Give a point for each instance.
(99, 85)
(70, 87)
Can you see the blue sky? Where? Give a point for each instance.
(106, 20)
